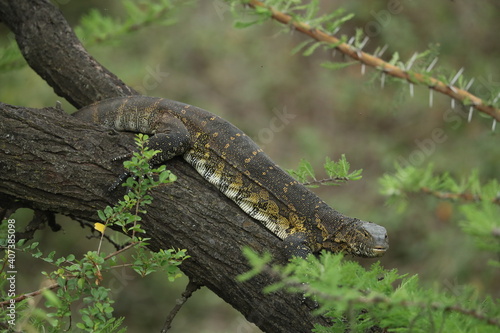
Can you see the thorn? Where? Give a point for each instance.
(350, 41)
(471, 110)
(382, 51)
(469, 84)
(412, 60)
(363, 43)
(382, 80)
(431, 91)
(494, 125)
(411, 89)
(334, 52)
(336, 30)
(453, 103)
(455, 78)
(363, 67)
(432, 64)
(496, 99)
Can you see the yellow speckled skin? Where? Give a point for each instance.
(231, 161)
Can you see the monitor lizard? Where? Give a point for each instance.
(237, 166)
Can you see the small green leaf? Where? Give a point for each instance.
(263, 10)
(394, 59)
(310, 50)
(164, 176)
(300, 46)
(242, 25)
(51, 297)
(101, 215)
(337, 65)
(108, 211)
(60, 261)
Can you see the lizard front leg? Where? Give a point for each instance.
(173, 140)
(296, 245)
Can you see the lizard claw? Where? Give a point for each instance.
(121, 179)
(309, 302)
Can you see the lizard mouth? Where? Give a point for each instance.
(379, 250)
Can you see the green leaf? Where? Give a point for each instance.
(300, 46)
(341, 169)
(50, 257)
(164, 176)
(337, 65)
(101, 215)
(263, 11)
(52, 299)
(310, 50)
(60, 261)
(258, 262)
(242, 25)
(108, 211)
(88, 322)
(394, 59)
(303, 172)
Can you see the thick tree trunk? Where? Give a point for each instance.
(51, 48)
(51, 161)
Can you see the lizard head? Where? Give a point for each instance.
(360, 238)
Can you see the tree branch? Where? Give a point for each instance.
(375, 62)
(51, 161)
(51, 48)
(30, 295)
(468, 197)
(188, 292)
(327, 181)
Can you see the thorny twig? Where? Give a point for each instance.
(386, 68)
(456, 196)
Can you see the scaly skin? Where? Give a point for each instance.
(231, 161)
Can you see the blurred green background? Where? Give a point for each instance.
(249, 77)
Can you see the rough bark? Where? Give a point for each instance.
(50, 161)
(52, 49)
